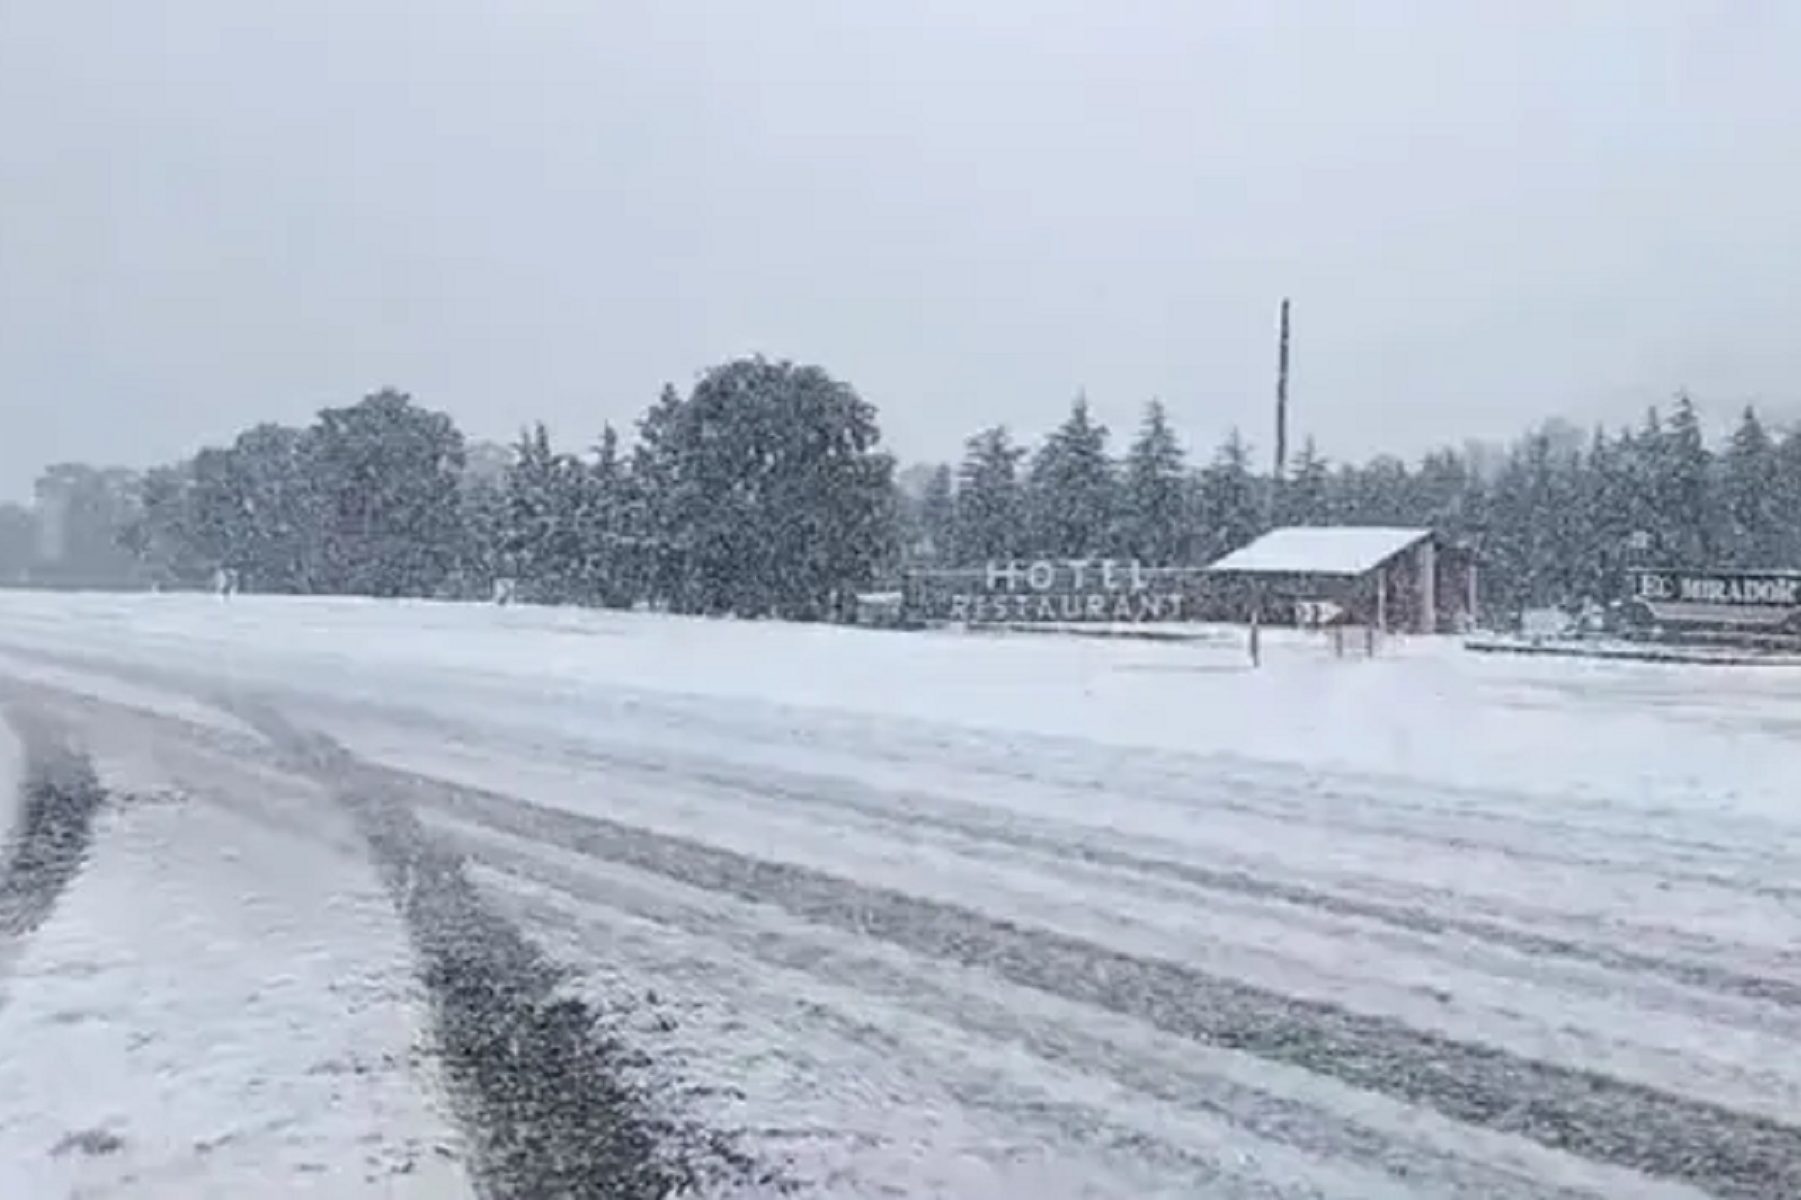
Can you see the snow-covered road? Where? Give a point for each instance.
(919, 914)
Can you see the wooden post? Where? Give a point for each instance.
(1382, 599)
(1256, 649)
(1425, 565)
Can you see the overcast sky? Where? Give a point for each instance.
(215, 212)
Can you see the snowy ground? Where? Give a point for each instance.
(11, 777)
(218, 1008)
(924, 914)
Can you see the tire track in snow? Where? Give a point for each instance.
(1356, 802)
(544, 1093)
(1245, 789)
(1198, 1087)
(1738, 1171)
(234, 776)
(976, 823)
(59, 797)
(1107, 848)
(1104, 848)
(1276, 790)
(239, 774)
(904, 810)
(1598, 1117)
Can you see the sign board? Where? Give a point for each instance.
(1049, 590)
(1719, 597)
(1314, 613)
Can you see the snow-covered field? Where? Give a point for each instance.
(922, 914)
(218, 1008)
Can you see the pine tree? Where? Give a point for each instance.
(1538, 533)
(1381, 492)
(544, 541)
(938, 516)
(1785, 502)
(1441, 488)
(1748, 483)
(483, 499)
(662, 501)
(609, 556)
(1685, 475)
(1639, 457)
(1154, 494)
(1071, 488)
(1608, 516)
(990, 503)
(1305, 494)
(1231, 513)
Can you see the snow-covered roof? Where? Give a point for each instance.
(1321, 550)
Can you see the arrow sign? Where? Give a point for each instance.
(1317, 612)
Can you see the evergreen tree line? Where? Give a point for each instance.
(1069, 498)
(763, 491)
(1556, 518)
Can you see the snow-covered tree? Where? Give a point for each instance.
(768, 485)
(84, 518)
(1071, 488)
(937, 516)
(1684, 474)
(1154, 519)
(1750, 494)
(1230, 506)
(990, 504)
(1305, 497)
(543, 538)
(1785, 504)
(387, 479)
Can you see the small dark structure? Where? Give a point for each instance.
(1398, 580)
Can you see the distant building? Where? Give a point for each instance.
(1394, 580)
(1398, 580)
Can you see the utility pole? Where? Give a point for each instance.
(1281, 469)
(1282, 396)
